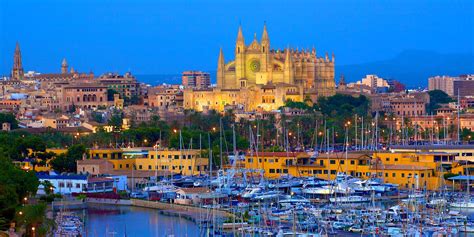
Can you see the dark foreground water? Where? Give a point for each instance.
(119, 221)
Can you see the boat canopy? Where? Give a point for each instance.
(462, 177)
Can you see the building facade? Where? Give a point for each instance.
(443, 83)
(83, 95)
(464, 86)
(261, 78)
(126, 85)
(407, 169)
(196, 79)
(258, 64)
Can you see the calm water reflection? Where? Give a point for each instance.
(106, 220)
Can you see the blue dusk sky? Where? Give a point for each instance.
(167, 37)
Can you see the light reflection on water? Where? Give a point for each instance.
(135, 221)
(129, 221)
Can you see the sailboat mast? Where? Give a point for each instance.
(210, 156)
(362, 134)
(220, 142)
(355, 131)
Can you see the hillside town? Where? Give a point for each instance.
(275, 136)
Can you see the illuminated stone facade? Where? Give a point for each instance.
(263, 78)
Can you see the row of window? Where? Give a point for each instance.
(70, 185)
(278, 171)
(359, 174)
(119, 156)
(165, 167)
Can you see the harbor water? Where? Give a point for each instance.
(109, 220)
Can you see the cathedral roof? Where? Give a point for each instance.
(254, 46)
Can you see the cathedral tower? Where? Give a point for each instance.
(239, 56)
(17, 71)
(220, 69)
(265, 50)
(64, 66)
(288, 72)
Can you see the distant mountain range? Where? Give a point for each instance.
(411, 67)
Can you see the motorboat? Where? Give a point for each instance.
(269, 195)
(462, 204)
(349, 199)
(293, 200)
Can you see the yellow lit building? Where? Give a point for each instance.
(263, 78)
(462, 152)
(28, 165)
(186, 162)
(407, 169)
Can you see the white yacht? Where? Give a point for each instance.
(349, 199)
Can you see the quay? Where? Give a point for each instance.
(193, 212)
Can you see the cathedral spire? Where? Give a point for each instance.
(265, 40)
(240, 35)
(64, 66)
(240, 43)
(342, 81)
(288, 73)
(17, 71)
(265, 37)
(220, 69)
(287, 56)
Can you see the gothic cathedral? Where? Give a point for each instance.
(258, 64)
(262, 79)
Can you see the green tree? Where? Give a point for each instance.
(34, 216)
(110, 94)
(9, 118)
(66, 162)
(15, 184)
(116, 121)
(437, 97)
